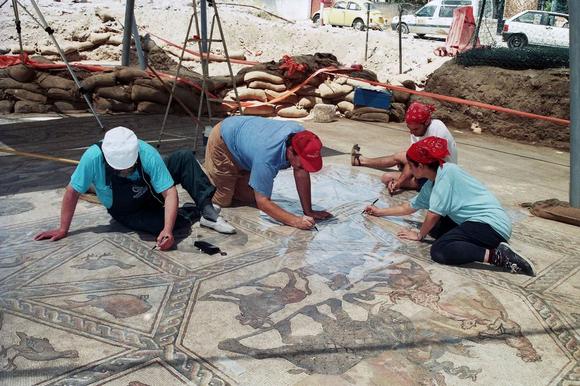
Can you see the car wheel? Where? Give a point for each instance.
(358, 24)
(404, 28)
(316, 18)
(517, 41)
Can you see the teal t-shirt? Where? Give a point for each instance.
(462, 198)
(91, 170)
(258, 145)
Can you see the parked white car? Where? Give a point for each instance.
(538, 28)
(434, 18)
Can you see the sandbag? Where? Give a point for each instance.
(324, 113)
(119, 93)
(129, 74)
(99, 38)
(47, 81)
(25, 95)
(102, 105)
(153, 83)
(6, 106)
(148, 94)
(292, 112)
(104, 15)
(357, 83)
(21, 73)
(349, 97)
(150, 107)
(4, 50)
(41, 59)
(25, 107)
(99, 80)
(365, 109)
(263, 76)
(83, 46)
(48, 50)
(308, 91)
(397, 112)
(307, 102)
(400, 96)
(368, 116)
(111, 105)
(345, 106)
(115, 40)
(334, 90)
(290, 98)
(245, 93)
(556, 210)
(11, 83)
(68, 107)
(262, 110)
(62, 95)
(26, 49)
(267, 86)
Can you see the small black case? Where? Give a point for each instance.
(207, 248)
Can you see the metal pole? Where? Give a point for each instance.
(574, 8)
(50, 32)
(138, 48)
(400, 39)
(129, 6)
(18, 29)
(203, 21)
(367, 34)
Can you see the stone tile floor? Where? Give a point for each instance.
(349, 304)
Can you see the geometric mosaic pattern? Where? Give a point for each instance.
(348, 304)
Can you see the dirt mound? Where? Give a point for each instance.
(544, 92)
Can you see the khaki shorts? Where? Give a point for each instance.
(230, 180)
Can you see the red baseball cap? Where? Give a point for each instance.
(307, 145)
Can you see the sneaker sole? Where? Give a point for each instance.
(524, 258)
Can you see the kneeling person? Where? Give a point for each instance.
(244, 154)
(138, 188)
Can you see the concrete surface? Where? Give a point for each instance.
(349, 304)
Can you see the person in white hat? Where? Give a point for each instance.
(137, 186)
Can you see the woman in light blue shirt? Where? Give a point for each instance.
(467, 221)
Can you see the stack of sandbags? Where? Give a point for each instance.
(20, 93)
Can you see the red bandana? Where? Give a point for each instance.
(419, 113)
(429, 150)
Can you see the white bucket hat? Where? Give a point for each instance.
(120, 148)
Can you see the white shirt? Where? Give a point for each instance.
(438, 129)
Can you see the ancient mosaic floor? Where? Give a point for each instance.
(349, 304)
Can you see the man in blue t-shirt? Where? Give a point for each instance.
(138, 188)
(244, 154)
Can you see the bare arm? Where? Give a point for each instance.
(165, 239)
(400, 210)
(266, 205)
(67, 210)
(303, 186)
(430, 220)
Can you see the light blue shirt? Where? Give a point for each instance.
(258, 145)
(91, 170)
(462, 198)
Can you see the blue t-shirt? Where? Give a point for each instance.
(258, 145)
(462, 198)
(91, 170)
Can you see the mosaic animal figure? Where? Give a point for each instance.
(119, 305)
(93, 263)
(256, 308)
(40, 349)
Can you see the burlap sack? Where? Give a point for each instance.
(356, 83)
(333, 90)
(6, 107)
(345, 106)
(154, 83)
(24, 107)
(99, 38)
(324, 113)
(119, 93)
(21, 73)
(48, 50)
(349, 97)
(397, 112)
(150, 107)
(267, 86)
(41, 59)
(129, 74)
(104, 14)
(63, 95)
(47, 81)
(25, 95)
(11, 83)
(68, 107)
(308, 102)
(308, 91)
(263, 110)
(245, 93)
(554, 209)
(148, 94)
(289, 99)
(111, 105)
(99, 80)
(26, 49)
(262, 76)
(115, 40)
(368, 116)
(292, 112)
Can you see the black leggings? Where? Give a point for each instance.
(462, 244)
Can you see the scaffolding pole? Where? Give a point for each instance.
(574, 8)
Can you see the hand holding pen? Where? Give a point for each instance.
(369, 209)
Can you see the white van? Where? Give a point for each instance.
(434, 18)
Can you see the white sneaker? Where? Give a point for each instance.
(220, 225)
